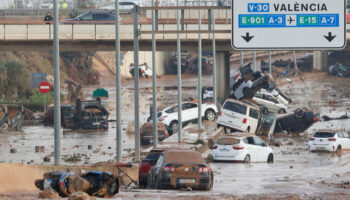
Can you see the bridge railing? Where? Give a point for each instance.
(105, 32)
(166, 27)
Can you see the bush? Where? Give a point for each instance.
(14, 80)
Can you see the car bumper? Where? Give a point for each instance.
(327, 148)
(220, 157)
(201, 183)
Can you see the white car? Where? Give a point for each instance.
(332, 141)
(144, 70)
(272, 103)
(281, 96)
(239, 116)
(242, 147)
(169, 115)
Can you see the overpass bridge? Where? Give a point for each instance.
(100, 35)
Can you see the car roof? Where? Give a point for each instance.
(162, 149)
(173, 105)
(330, 130)
(243, 103)
(239, 135)
(173, 155)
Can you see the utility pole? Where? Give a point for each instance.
(118, 84)
(179, 85)
(154, 80)
(199, 69)
(136, 85)
(57, 99)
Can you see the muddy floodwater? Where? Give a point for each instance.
(295, 170)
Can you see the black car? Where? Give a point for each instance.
(298, 121)
(249, 82)
(91, 115)
(98, 17)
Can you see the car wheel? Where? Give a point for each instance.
(173, 126)
(299, 113)
(338, 151)
(209, 115)
(270, 158)
(247, 159)
(248, 129)
(227, 130)
(132, 73)
(282, 111)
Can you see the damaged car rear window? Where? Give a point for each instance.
(227, 141)
(235, 107)
(183, 157)
(324, 134)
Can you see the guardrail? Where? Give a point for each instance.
(106, 32)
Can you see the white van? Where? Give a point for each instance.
(240, 116)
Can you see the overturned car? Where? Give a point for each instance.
(99, 184)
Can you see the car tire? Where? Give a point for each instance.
(270, 158)
(173, 126)
(132, 73)
(338, 151)
(247, 159)
(282, 111)
(299, 113)
(210, 115)
(227, 130)
(157, 184)
(248, 129)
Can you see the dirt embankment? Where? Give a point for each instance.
(18, 177)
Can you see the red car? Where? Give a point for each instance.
(146, 165)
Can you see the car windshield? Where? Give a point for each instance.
(152, 157)
(227, 141)
(159, 114)
(324, 134)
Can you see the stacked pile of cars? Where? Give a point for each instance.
(255, 105)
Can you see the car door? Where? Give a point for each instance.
(253, 119)
(189, 111)
(346, 140)
(251, 148)
(155, 169)
(261, 149)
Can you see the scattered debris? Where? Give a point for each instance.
(73, 158)
(99, 184)
(327, 118)
(39, 149)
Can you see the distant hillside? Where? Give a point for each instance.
(74, 66)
